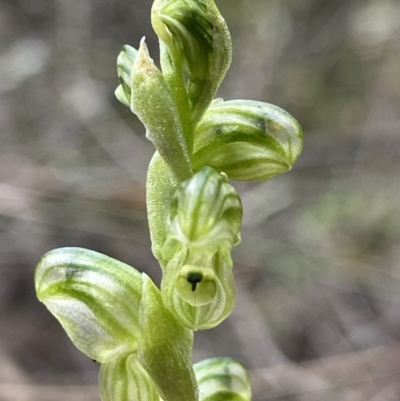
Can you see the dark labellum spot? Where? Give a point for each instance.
(194, 279)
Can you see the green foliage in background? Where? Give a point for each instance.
(141, 335)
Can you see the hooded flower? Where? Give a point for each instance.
(115, 315)
(198, 285)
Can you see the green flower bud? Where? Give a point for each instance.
(95, 298)
(125, 62)
(247, 140)
(124, 379)
(198, 285)
(195, 34)
(164, 349)
(222, 379)
(152, 102)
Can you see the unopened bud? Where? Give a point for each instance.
(195, 32)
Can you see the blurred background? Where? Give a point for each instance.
(318, 269)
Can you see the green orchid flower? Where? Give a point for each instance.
(247, 140)
(116, 316)
(195, 43)
(198, 285)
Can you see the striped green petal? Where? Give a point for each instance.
(247, 140)
(164, 348)
(197, 35)
(222, 379)
(125, 61)
(206, 211)
(95, 298)
(124, 379)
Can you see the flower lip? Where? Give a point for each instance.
(196, 285)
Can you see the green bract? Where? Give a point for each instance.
(152, 102)
(159, 193)
(247, 140)
(165, 348)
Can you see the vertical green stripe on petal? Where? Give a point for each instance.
(222, 379)
(247, 140)
(124, 379)
(206, 211)
(200, 44)
(95, 298)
